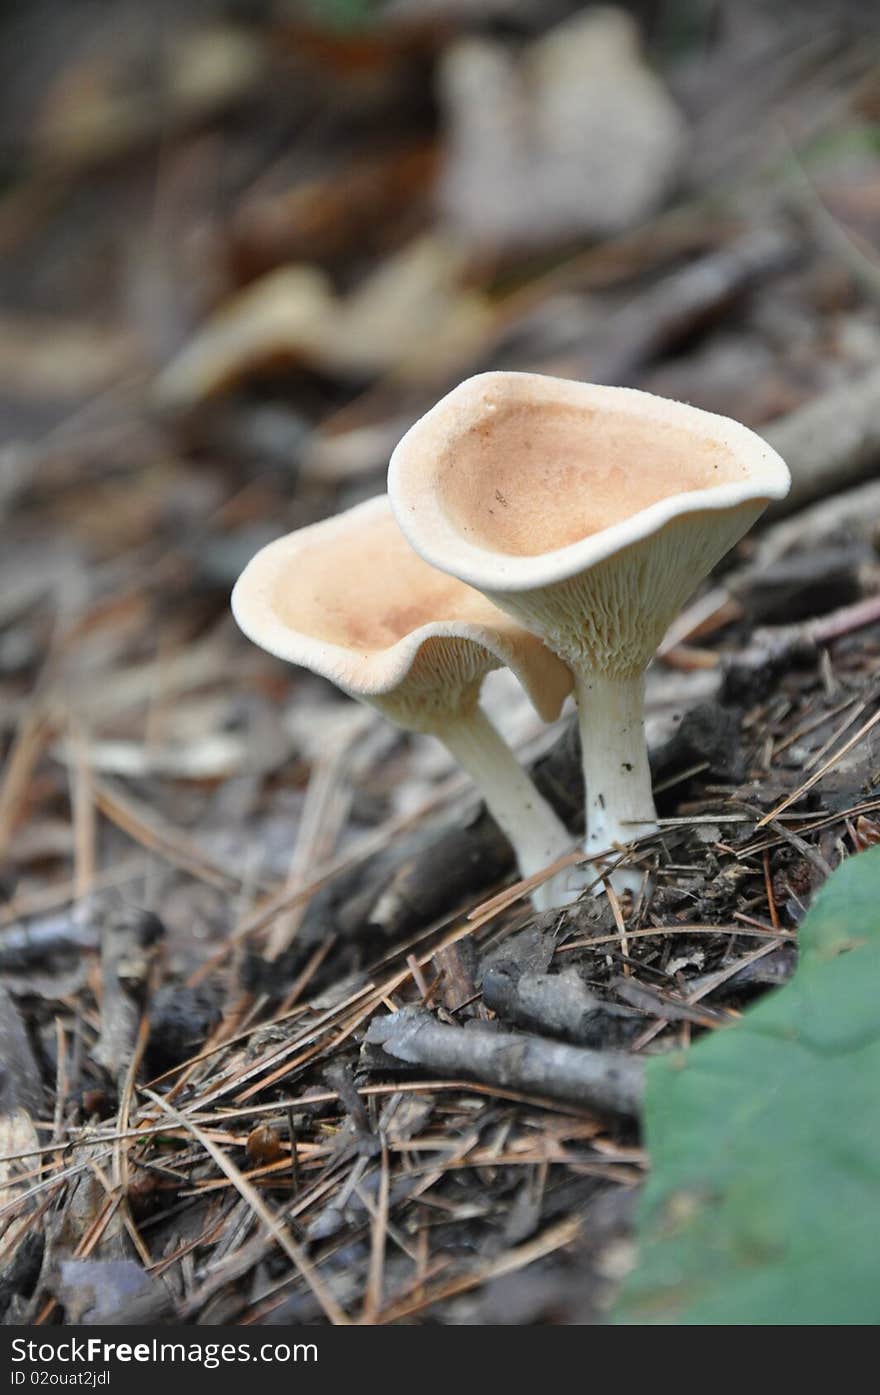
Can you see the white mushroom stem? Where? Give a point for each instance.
(617, 777)
(538, 836)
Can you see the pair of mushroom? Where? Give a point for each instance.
(552, 526)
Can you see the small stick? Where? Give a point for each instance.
(276, 1228)
(294, 1150)
(605, 1080)
(771, 902)
(818, 774)
(376, 1274)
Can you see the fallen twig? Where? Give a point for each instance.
(831, 442)
(558, 1004)
(604, 1080)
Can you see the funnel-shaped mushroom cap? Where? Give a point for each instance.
(349, 599)
(590, 513)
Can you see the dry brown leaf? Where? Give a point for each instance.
(369, 203)
(44, 357)
(410, 316)
(577, 137)
(284, 315)
(106, 103)
(17, 1135)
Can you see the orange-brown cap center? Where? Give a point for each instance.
(533, 478)
(367, 589)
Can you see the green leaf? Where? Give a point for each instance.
(342, 15)
(763, 1204)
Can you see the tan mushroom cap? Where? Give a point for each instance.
(349, 599)
(611, 499)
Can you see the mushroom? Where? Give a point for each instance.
(349, 599)
(590, 514)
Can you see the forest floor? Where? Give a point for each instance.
(218, 876)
